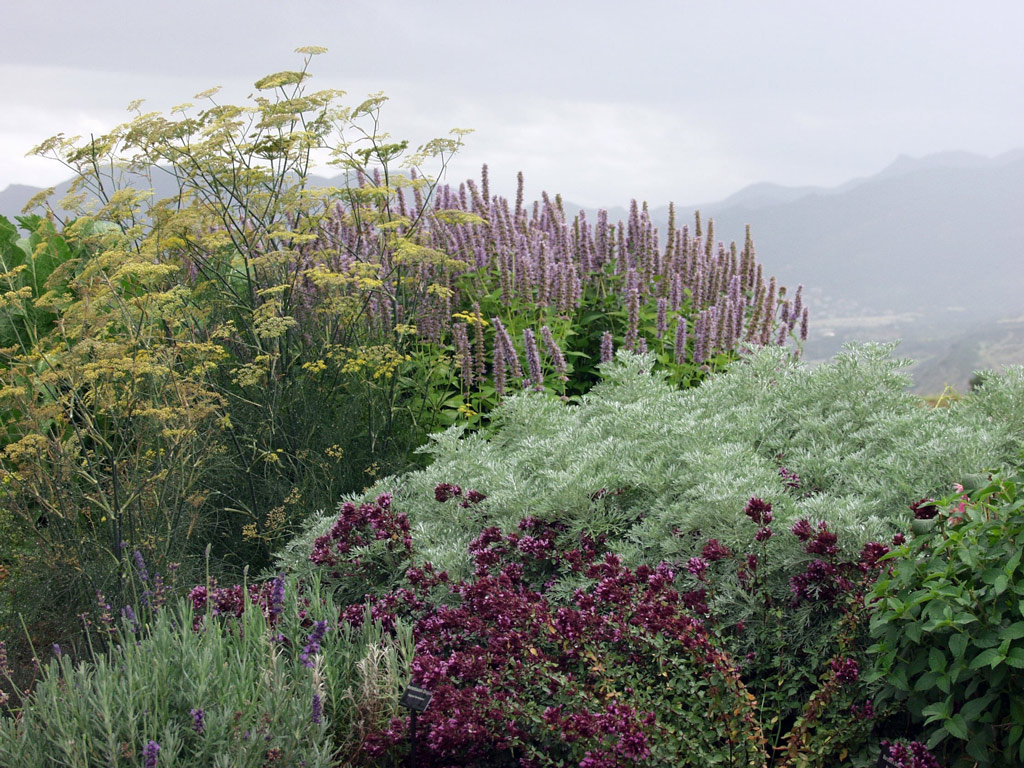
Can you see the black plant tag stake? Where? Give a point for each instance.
(416, 700)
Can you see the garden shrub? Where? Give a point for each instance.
(622, 673)
(651, 467)
(948, 622)
(282, 684)
(109, 435)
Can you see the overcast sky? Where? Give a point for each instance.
(601, 101)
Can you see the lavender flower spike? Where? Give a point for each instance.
(607, 347)
(533, 359)
(680, 347)
(198, 717)
(149, 753)
(555, 352)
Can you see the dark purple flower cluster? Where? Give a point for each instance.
(445, 491)
(863, 711)
(789, 478)
(227, 601)
(269, 596)
(714, 551)
(872, 552)
(924, 509)
(822, 581)
(360, 526)
(845, 670)
(198, 720)
(231, 601)
(911, 755)
(698, 566)
(759, 511)
(827, 577)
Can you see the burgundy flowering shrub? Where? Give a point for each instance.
(623, 673)
(366, 548)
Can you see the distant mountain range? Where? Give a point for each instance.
(935, 236)
(930, 250)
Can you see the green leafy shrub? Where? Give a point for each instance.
(948, 622)
(216, 686)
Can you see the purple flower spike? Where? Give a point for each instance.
(533, 359)
(313, 643)
(607, 347)
(140, 566)
(276, 598)
(680, 346)
(149, 753)
(555, 352)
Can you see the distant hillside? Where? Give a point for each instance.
(920, 237)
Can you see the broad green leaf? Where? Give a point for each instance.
(957, 727)
(991, 657)
(958, 644)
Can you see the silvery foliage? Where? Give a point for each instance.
(688, 461)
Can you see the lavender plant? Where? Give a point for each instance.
(279, 684)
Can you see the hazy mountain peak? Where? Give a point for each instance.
(953, 159)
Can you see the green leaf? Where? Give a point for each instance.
(978, 746)
(1012, 563)
(940, 710)
(957, 727)
(1002, 581)
(973, 708)
(926, 681)
(991, 657)
(958, 644)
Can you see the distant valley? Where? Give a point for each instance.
(929, 250)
